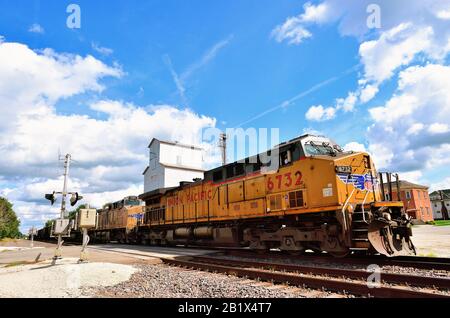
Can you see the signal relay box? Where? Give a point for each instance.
(87, 218)
(61, 227)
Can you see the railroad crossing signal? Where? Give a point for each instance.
(51, 197)
(75, 198)
(64, 223)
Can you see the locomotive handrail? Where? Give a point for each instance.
(345, 206)
(364, 202)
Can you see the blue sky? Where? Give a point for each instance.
(215, 64)
(251, 73)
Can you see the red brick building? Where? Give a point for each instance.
(415, 199)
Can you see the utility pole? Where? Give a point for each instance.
(223, 146)
(32, 231)
(444, 208)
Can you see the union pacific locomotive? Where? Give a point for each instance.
(310, 195)
(307, 194)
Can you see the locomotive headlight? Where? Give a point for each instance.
(344, 169)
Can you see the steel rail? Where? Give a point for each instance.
(312, 282)
(414, 280)
(403, 261)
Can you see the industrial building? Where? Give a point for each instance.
(171, 163)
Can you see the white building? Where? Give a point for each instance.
(171, 163)
(440, 203)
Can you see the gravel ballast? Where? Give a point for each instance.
(161, 281)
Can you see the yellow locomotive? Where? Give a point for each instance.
(118, 221)
(318, 197)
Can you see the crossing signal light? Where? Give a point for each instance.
(75, 198)
(51, 197)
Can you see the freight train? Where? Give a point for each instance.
(309, 195)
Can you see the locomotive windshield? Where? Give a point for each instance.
(316, 148)
(132, 202)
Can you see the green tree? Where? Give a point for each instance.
(9, 223)
(73, 213)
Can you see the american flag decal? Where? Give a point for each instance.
(359, 181)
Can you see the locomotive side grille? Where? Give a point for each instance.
(296, 199)
(275, 202)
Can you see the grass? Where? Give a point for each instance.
(6, 240)
(13, 264)
(431, 254)
(442, 223)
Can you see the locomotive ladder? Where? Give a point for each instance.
(360, 229)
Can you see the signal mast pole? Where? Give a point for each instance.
(62, 226)
(63, 202)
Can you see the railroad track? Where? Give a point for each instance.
(337, 280)
(402, 261)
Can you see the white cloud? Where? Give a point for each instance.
(36, 28)
(381, 58)
(348, 103)
(395, 45)
(291, 30)
(317, 14)
(443, 14)
(441, 185)
(319, 113)
(294, 28)
(368, 92)
(438, 128)
(352, 16)
(412, 176)
(33, 81)
(355, 146)
(409, 130)
(394, 48)
(415, 128)
(101, 49)
(110, 150)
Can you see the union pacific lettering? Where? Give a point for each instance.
(190, 197)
